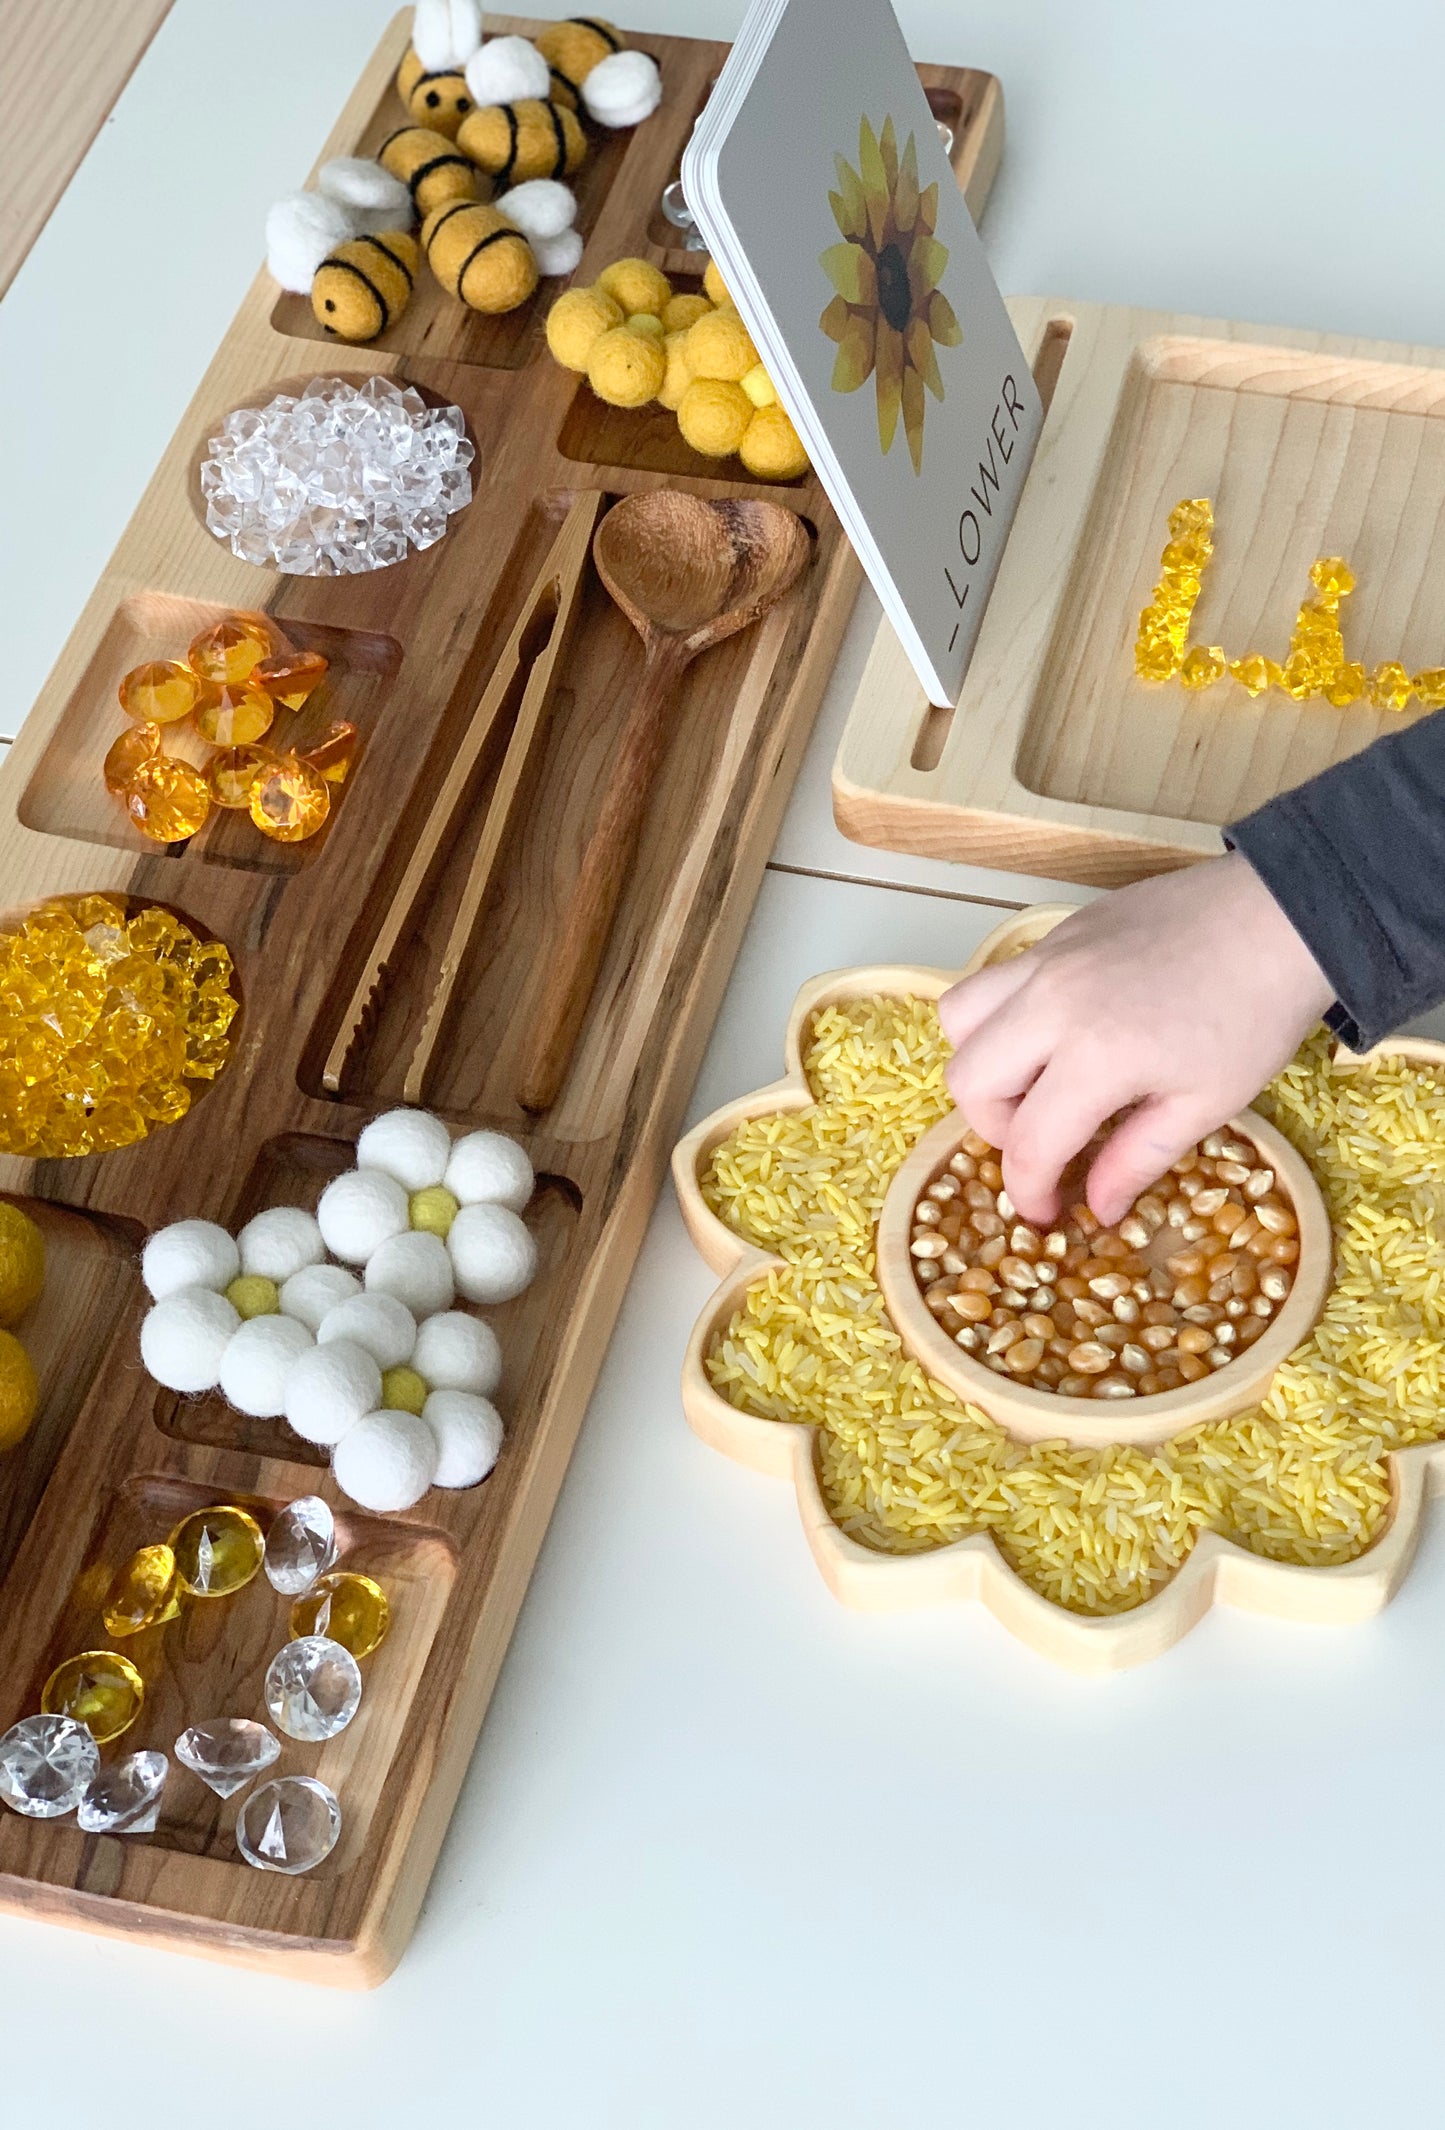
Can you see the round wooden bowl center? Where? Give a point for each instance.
(1036, 1415)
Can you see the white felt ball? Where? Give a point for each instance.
(355, 181)
(300, 231)
(506, 69)
(623, 89)
(359, 1210)
(557, 255)
(379, 1322)
(308, 1294)
(257, 1362)
(386, 1461)
(445, 33)
(541, 207)
(183, 1339)
(458, 1352)
(490, 1166)
(407, 1144)
(190, 1253)
(280, 1241)
(469, 1436)
(416, 1269)
(329, 1389)
(493, 1254)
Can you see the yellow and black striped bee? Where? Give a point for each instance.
(439, 100)
(365, 284)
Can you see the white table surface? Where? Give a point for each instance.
(727, 1853)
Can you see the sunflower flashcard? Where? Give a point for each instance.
(819, 176)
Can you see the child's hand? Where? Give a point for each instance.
(1176, 1000)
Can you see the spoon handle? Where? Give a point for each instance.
(572, 970)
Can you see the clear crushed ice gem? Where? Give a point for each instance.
(337, 482)
(300, 1545)
(313, 1688)
(46, 1764)
(125, 1797)
(227, 1753)
(289, 1825)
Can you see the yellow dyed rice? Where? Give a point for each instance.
(907, 1466)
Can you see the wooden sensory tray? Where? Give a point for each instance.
(1057, 761)
(417, 651)
(1217, 1572)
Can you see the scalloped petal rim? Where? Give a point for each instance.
(1216, 1572)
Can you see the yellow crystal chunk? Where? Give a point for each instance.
(159, 693)
(1194, 515)
(1333, 577)
(1390, 686)
(1255, 673)
(1203, 666)
(143, 1593)
(168, 800)
(291, 801)
(233, 716)
(217, 1551)
(351, 1609)
(100, 1689)
(233, 771)
(1429, 686)
(231, 650)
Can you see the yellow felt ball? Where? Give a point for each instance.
(577, 321)
(759, 387)
(637, 285)
(572, 49)
(433, 1209)
(678, 376)
(712, 415)
(684, 311)
(22, 1262)
(477, 254)
(19, 1391)
(402, 1391)
(252, 1294)
(365, 284)
(440, 100)
(720, 345)
(626, 368)
(771, 448)
(527, 139)
(427, 163)
(714, 285)
(646, 322)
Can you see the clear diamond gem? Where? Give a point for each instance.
(300, 1545)
(313, 1688)
(289, 1825)
(227, 1753)
(125, 1797)
(46, 1763)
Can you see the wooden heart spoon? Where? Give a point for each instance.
(686, 573)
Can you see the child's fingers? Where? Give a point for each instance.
(1056, 1119)
(1144, 1146)
(991, 1072)
(969, 1004)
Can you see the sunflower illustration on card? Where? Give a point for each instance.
(888, 315)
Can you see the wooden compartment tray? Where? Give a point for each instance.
(431, 660)
(1057, 761)
(973, 1569)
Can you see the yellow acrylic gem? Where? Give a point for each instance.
(137, 744)
(231, 650)
(1194, 515)
(1203, 666)
(1390, 687)
(350, 1609)
(233, 771)
(234, 716)
(1429, 686)
(168, 800)
(217, 1551)
(402, 1390)
(1333, 577)
(159, 693)
(433, 1209)
(100, 1689)
(290, 677)
(1255, 673)
(252, 1294)
(291, 801)
(333, 755)
(143, 1593)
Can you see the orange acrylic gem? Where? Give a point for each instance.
(167, 799)
(231, 650)
(233, 771)
(234, 716)
(137, 744)
(291, 801)
(290, 677)
(160, 692)
(333, 755)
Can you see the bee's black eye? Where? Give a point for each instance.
(432, 99)
(329, 304)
